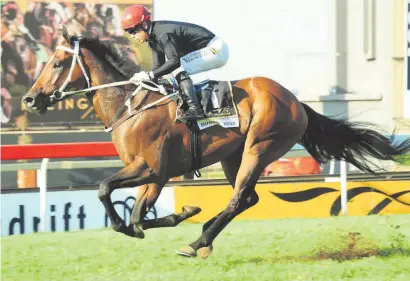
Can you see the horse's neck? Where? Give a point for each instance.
(106, 101)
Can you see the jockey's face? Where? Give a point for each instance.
(138, 33)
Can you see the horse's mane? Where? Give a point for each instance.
(110, 53)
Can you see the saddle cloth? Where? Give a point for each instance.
(216, 100)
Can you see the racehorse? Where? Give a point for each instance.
(154, 148)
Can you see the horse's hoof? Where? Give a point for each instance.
(204, 252)
(137, 232)
(191, 210)
(187, 251)
(120, 227)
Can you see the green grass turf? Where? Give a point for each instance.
(338, 248)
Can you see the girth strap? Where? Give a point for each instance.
(195, 147)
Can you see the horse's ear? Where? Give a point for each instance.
(66, 36)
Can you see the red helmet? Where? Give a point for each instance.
(134, 15)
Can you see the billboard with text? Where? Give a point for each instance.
(30, 31)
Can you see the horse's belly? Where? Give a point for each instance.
(218, 143)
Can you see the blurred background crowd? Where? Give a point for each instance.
(30, 31)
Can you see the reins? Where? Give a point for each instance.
(61, 94)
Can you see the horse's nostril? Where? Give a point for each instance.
(28, 100)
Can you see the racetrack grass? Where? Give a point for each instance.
(342, 248)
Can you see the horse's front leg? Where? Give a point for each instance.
(135, 174)
(146, 198)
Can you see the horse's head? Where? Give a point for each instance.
(63, 71)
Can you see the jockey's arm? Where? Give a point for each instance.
(157, 59)
(170, 49)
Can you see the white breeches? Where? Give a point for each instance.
(214, 55)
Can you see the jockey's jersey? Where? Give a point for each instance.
(171, 40)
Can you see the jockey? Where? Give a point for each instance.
(178, 48)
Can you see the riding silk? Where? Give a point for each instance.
(179, 46)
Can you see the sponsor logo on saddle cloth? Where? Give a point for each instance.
(219, 107)
(226, 122)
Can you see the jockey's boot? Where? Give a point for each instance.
(186, 85)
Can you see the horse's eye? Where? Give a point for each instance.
(58, 64)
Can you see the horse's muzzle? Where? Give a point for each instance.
(35, 103)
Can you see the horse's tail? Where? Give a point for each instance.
(354, 142)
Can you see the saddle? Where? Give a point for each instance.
(215, 97)
(218, 106)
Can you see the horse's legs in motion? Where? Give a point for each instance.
(246, 179)
(135, 174)
(230, 167)
(256, 155)
(146, 198)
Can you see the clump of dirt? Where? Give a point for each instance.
(356, 248)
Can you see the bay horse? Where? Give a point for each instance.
(154, 148)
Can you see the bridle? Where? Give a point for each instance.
(61, 94)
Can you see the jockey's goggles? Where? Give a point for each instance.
(134, 30)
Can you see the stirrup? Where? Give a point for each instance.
(182, 118)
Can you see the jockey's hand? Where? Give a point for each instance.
(141, 76)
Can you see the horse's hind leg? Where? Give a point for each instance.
(258, 153)
(246, 179)
(146, 198)
(230, 167)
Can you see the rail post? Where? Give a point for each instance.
(43, 194)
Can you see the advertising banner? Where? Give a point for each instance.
(315, 199)
(30, 31)
(72, 210)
